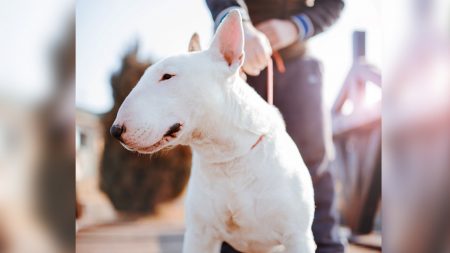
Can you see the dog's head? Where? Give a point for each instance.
(176, 95)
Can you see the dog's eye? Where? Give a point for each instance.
(166, 77)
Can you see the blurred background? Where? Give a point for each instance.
(129, 203)
(37, 122)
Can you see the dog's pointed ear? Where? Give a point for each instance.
(194, 43)
(229, 40)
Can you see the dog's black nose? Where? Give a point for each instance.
(116, 131)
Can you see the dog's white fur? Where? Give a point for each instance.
(257, 199)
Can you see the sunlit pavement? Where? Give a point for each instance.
(161, 233)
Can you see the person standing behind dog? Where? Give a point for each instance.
(285, 26)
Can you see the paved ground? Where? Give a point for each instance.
(130, 237)
(101, 230)
(142, 236)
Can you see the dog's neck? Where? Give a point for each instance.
(227, 136)
(222, 142)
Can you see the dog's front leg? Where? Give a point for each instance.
(195, 242)
(300, 244)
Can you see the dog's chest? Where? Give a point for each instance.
(237, 204)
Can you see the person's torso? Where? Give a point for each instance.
(261, 10)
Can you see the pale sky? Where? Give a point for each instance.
(30, 30)
(106, 29)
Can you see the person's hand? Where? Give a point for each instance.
(281, 33)
(257, 50)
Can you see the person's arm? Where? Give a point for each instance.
(220, 8)
(313, 20)
(316, 18)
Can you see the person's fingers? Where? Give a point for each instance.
(266, 46)
(276, 45)
(260, 58)
(250, 64)
(250, 57)
(265, 26)
(251, 71)
(262, 51)
(271, 37)
(264, 29)
(258, 50)
(279, 32)
(275, 40)
(242, 74)
(268, 31)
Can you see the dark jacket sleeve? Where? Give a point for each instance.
(315, 19)
(219, 7)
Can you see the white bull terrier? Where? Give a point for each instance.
(249, 185)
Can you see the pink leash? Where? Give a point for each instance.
(280, 67)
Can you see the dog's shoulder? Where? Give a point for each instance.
(254, 113)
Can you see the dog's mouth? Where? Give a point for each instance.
(171, 134)
(173, 130)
